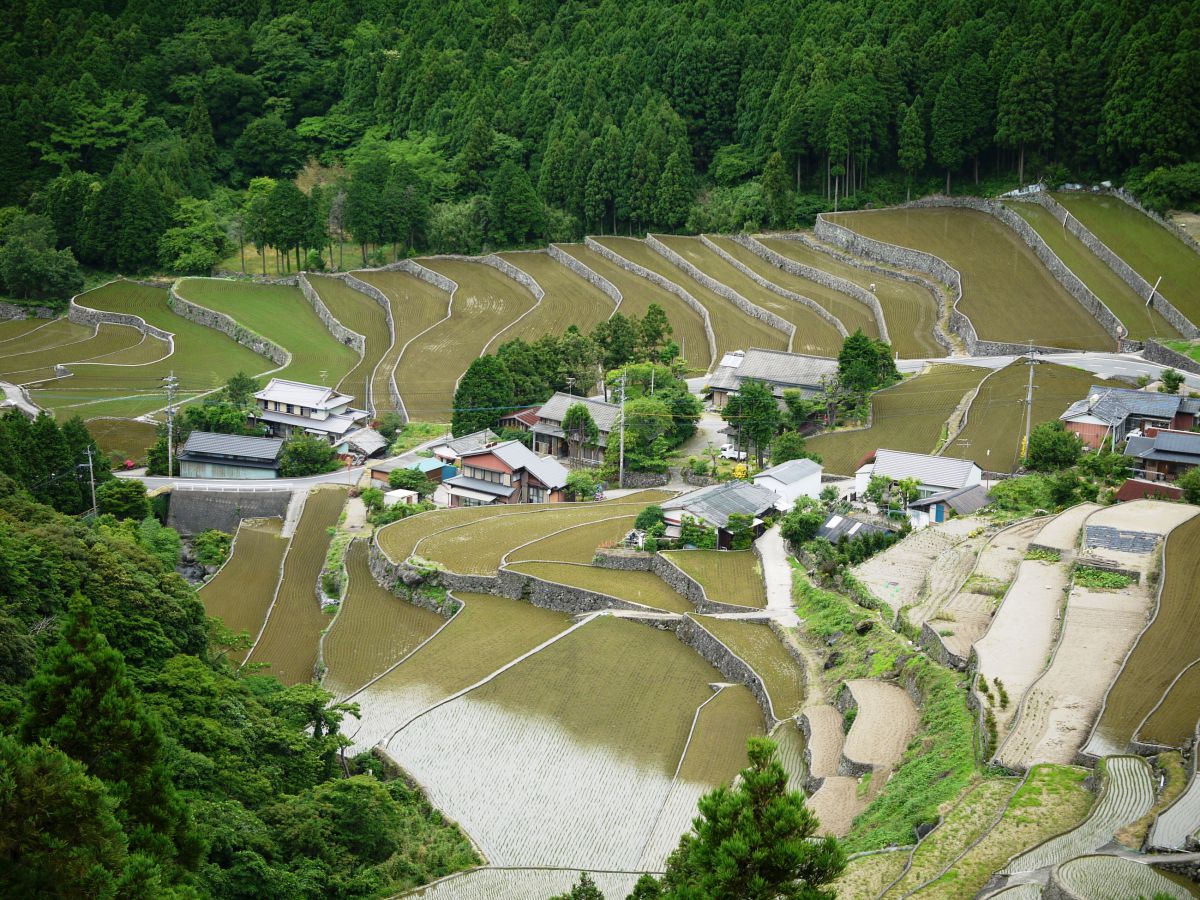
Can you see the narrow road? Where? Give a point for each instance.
(777, 573)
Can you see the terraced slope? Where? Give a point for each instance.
(758, 646)
(1115, 878)
(734, 329)
(1148, 247)
(910, 310)
(360, 313)
(37, 365)
(58, 333)
(636, 296)
(122, 439)
(518, 884)
(416, 305)
(636, 587)
(885, 721)
(1008, 293)
(281, 314)
(1167, 723)
(838, 799)
(241, 592)
(1180, 820)
(734, 577)
(18, 328)
(908, 416)
(814, 335)
(576, 543)
(1140, 320)
(570, 299)
(288, 643)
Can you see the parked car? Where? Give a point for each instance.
(730, 451)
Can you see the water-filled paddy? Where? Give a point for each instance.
(241, 592)
(727, 576)
(362, 314)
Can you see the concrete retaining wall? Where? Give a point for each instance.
(583, 271)
(727, 663)
(202, 315)
(1165, 356)
(192, 511)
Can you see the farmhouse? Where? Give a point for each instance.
(1117, 412)
(287, 407)
(1163, 454)
(792, 479)
(208, 455)
(934, 474)
(715, 504)
(778, 370)
(549, 437)
(506, 473)
(432, 468)
(522, 419)
(452, 449)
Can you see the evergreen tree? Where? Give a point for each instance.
(1025, 114)
(484, 394)
(199, 134)
(755, 414)
(912, 143)
(516, 211)
(949, 127)
(674, 191)
(257, 217)
(777, 190)
(580, 428)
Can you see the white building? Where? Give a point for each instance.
(792, 479)
(286, 407)
(934, 474)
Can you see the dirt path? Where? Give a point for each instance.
(777, 573)
(822, 726)
(886, 720)
(1062, 532)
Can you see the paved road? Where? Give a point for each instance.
(15, 395)
(1106, 365)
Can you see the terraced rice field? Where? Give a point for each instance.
(288, 643)
(910, 310)
(867, 876)
(813, 333)
(908, 416)
(1140, 320)
(46, 336)
(1128, 793)
(38, 365)
(1149, 248)
(996, 419)
(1008, 293)
(416, 305)
(734, 329)
(570, 299)
(1180, 820)
(1170, 643)
(204, 359)
(360, 313)
(727, 576)
(18, 328)
(1115, 878)
(645, 588)
(636, 296)
(241, 592)
(281, 314)
(1050, 800)
(1167, 723)
(853, 314)
(758, 646)
(123, 439)
(373, 631)
(574, 719)
(518, 884)
(576, 544)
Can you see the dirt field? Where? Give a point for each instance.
(570, 299)
(924, 569)
(241, 592)
(886, 721)
(1064, 530)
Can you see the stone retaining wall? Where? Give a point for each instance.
(727, 663)
(646, 479)
(812, 783)
(562, 597)
(402, 580)
(690, 589)
(932, 642)
(357, 284)
(664, 283)
(343, 334)
(1165, 356)
(583, 271)
(722, 290)
(623, 560)
(14, 311)
(202, 315)
(1126, 197)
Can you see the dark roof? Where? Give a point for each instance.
(775, 367)
(837, 527)
(485, 487)
(716, 503)
(468, 442)
(516, 456)
(527, 417)
(605, 415)
(1113, 405)
(964, 500)
(233, 447)
(1167, 446)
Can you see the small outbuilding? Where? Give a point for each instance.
(791, 479)
(400, 495)
(232, 456)
(938, 508)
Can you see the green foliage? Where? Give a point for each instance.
(694, 533)
(31, 269)
(802, 522)
(212, 547)
(1101, 579)
(196, 242)
(741, 531)
(755, 414)
(790, 445)
(372, 497)
(1172, 381)
(1022, 496)
(49, 461)
(582, 484)
(1052, 447)
(306, 454)
(584, 889)
(865, 365)
(123, 498)
(1189, 483)
(411, 480)
(648, 518)
(484, 394)
(398, 511)
(580, 428)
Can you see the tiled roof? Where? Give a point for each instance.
(338, 424)
(238, 446)
(468, 442)
(368, 440)
(1167, 446)
(1113, 405)
(964, 500)
(477, 484)
(527, 416)
(516, 455)
(940, 471)
(775, 367)
(791, 471)
(605, 415)
(716, 503)
(298, 393)
(836, 527)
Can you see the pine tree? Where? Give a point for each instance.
(776, 185)
(912, 143)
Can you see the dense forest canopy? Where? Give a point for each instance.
(500, 123)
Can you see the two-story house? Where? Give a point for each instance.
(550, 439)
(1117, 412)
(505, 473)
(287, 407)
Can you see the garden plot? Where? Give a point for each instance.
(814, 334)
(204, 359)
(961, 826)
(363, 315)
(123, 439)
(282, 315)
(867, 875)
(373, 631)
(908, 416)
(1008, 293)
(1167, 723)
(570, 299)
(727, 576)
(1050, 800)
(240, 593)
(853, 314)
(519, 884)
(885, 721)
(1114, 878)
(575, 720)
(38, 365)
(1140, 320)
(1179, 821)
(295, 621)
(487, 633)
(733, 328)
(758, 646)
(636, 296)
(910, 310)
(1127, 795)
(995, 421)
(1145, 245)
(645, 588)
(416, 305)
(1168, 645)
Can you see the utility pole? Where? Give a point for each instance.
(92, 479)
(651, 379)
(621, 469)
(1028, 404)
(1153, 291)
(172, 383)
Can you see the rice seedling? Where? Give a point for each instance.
(569, 300)
(636, 587)
(362, 314)
(1115, 878)
(727, 576)
(758, 646)
(813, 333)
(373, 631)
(11, 329)
(1167, 723)
(288, 643)
(1180, 820)
(636, 296)
(38, 365)
(18, 339)
(241, 592)
(576, 543)
(733, 328)
(1008, 293)
(122, 439)
(866, 876)
(790, 743)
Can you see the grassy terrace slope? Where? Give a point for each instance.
(758, 646)
(813, 334)
(727, 577)
(360, 313)
(281, 314)
(909, 416)
(204, 359)
(1140, 320)
(734, 329)
(37, 365)
(15, 328)
(638, 293)
(996, 419)
(1007, 292)
(910, 309)
(59, 333)
(570, 299)
(1148, 247)
(122, 439)
(241, 592)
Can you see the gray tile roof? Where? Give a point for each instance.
(298, 393)
(939, 471)
(477, 484)
(964, 500)
(716, 503)
(776, 368)
(1167, 446)
(516, 455)
(368, 440)
(605, 415)
(233, 446)
(1113, 406)
(836, 527)
(791, 471)
(469, 442)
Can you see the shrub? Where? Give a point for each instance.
(211, 547)
(648, 518)
(695, 533)
(1101, 579)
(1045, 554)
(410, 480)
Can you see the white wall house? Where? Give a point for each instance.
(934, 474)
(792, 479)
